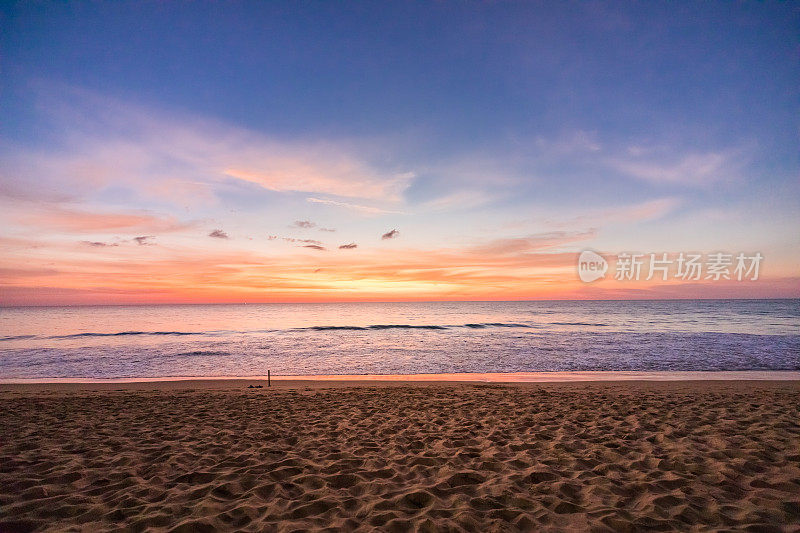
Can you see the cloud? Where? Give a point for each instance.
(568, 144)
(70, 220)
(390, 235)
(641, 212)
(694, 169)
(460, 200)
(329, 230)
(303, 224)
(342, 178)
(144, 240)
(91, 163)
(502, 269)
(348, 246)
(314, 246)
(205, 276)
(306, 241)
(98, 244)
(354, 207)
(160, 155)
(222, 151)
(650, 210)
(218, 234)
(531, 243)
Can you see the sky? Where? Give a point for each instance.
(169, 152)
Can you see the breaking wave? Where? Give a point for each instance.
(374, 327)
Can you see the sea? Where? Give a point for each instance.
(161, 341)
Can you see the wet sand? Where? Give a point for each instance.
(306, 455)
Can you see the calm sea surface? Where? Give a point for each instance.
(398, 338)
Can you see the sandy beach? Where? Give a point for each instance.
(398, 456)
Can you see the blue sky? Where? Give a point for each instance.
(649, 126)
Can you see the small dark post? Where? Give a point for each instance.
(269, 379)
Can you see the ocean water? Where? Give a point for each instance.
(398, 338)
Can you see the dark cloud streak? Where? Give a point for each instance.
(98, 244)
(390, 235)
(218, 234)
(306, 241)
(303, 224)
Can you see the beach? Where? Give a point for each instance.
(207, 455)
(399, 266)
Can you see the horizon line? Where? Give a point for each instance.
(167, 304)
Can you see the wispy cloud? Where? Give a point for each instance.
(649, 210)
(69, 220)
(306, 241)
(460, 200)
(693, 169)
(390, 235)
(337, 180)
(531, 243)
(349, 246)
(218, 234)
(602, 216)
(149, 150)
(314, 246)
(569, 143)
(354, 207)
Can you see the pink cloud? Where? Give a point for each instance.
(76, 221)
(532, 243)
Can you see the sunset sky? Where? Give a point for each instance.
(310, 151)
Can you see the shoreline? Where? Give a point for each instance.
(461, 377)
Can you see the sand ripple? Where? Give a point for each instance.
(601, 457)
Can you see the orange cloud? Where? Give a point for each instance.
(529, 268)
